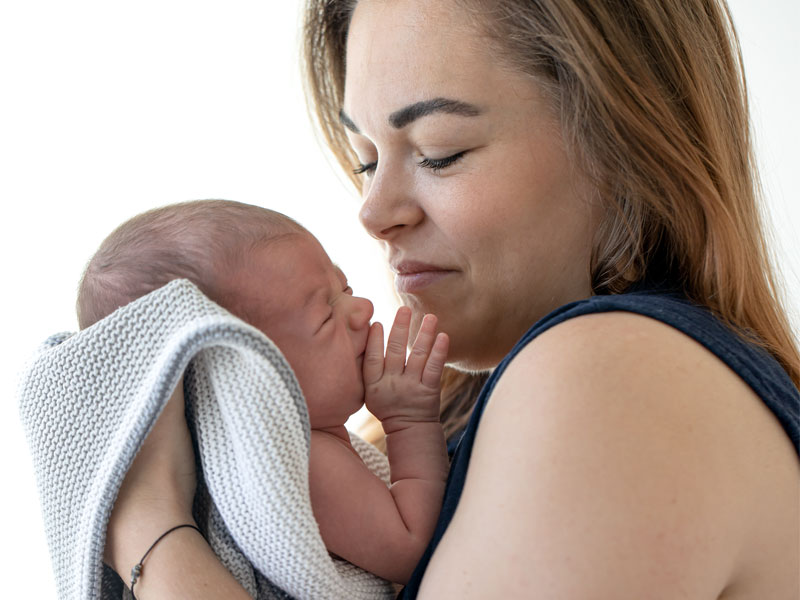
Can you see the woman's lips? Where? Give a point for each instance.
(411, 277)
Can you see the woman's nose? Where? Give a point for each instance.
(361, 312)
(389, 206)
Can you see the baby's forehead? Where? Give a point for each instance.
(310, 250)
(300, 260)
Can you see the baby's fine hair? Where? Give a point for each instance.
(198, 240)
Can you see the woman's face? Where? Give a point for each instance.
(484, 219)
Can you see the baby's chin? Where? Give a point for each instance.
(334, 412)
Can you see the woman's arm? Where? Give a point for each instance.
(156, 495)
(609, 464)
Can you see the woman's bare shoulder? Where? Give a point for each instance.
(618, 458)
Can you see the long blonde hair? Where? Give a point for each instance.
(653, 105)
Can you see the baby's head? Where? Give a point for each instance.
(202, 241)
(261, 266)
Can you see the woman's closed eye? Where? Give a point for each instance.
(368, 168)
(435, 164)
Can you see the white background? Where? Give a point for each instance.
(110, 108)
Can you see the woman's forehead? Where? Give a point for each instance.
(411, 51)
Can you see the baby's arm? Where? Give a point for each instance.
(405, 397)
(385, 530)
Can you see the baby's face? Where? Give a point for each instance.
(301, 300)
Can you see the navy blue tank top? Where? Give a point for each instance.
(755, 366)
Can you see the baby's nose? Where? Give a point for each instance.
(361, 312)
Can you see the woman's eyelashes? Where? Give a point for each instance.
(435, 164)
(368, 168)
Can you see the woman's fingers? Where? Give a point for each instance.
(398, 341)
(422, 346)
(373, 355)
(432, 374)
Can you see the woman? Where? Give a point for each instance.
(514, 158)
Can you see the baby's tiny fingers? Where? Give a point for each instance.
(432, 375)
(398, 341)
(422, 346)
(372, 368)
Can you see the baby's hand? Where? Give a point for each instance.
(399, 392)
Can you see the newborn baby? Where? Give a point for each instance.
(271, 272)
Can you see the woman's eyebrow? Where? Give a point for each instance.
(412, 112)
(348, 122)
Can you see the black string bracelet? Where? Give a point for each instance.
(136, 571)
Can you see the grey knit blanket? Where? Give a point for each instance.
(89, 399)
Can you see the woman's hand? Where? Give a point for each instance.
(158, 489)
(156, 496)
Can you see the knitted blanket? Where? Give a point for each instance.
(89, 399)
